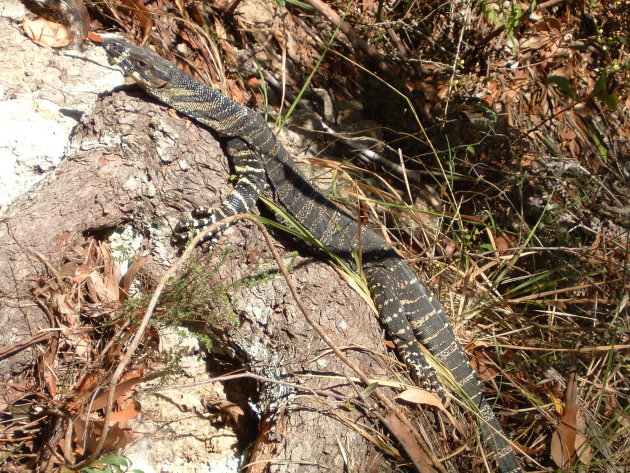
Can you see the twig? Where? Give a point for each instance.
(22, 345)
(38, 255)
(264, 379)
(458, 52)
(603, 348)
(356, 40)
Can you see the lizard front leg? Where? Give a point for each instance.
(251, 182)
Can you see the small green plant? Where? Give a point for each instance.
(113, 464)
(196, 299)
(294, 3)
(512, 18)
(472, 240)
(508, 15)
(600, 90)
(190, 295)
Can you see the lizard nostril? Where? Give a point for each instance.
(113, 47)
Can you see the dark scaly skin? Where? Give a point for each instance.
(408, 309)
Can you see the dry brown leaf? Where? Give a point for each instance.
(389, 344)
(429, 90)
(420, 396)
(142, 14)
(442, 90)
(569, 436)
(253, 83)
(226, 46)
(113, 290)
(47, 32)
(68, 270)
(88, 429)
(81, 273)
(563, 439)
(234, 411)
(582, 446)
(87, 433)
(92, 36)
(557, 404)
(406, 438)
(450, 248)
(121, 388)
(611, 405)
(49, 375)
(51, 383)
(86, 384)
(173, 114)
(91, 287)
(534, 42)
(501, 243)
(427, 398)
(111, 272)
(485, 371)
(101, 290)
(527, 450)
(118, 436)
(129, 412)
(129, 276)
(67, 312)
(235, 91)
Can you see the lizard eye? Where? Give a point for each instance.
(141, 64)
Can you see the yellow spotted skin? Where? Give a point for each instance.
(408, 309)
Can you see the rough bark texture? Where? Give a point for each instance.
(131, 162)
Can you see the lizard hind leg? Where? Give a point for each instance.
(251, 182)
(394, 318)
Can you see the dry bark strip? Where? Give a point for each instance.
(131, 162)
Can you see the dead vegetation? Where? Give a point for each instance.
(494, 150)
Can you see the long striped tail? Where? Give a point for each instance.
(411, 312)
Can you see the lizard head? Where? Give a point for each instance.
(150, 71)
